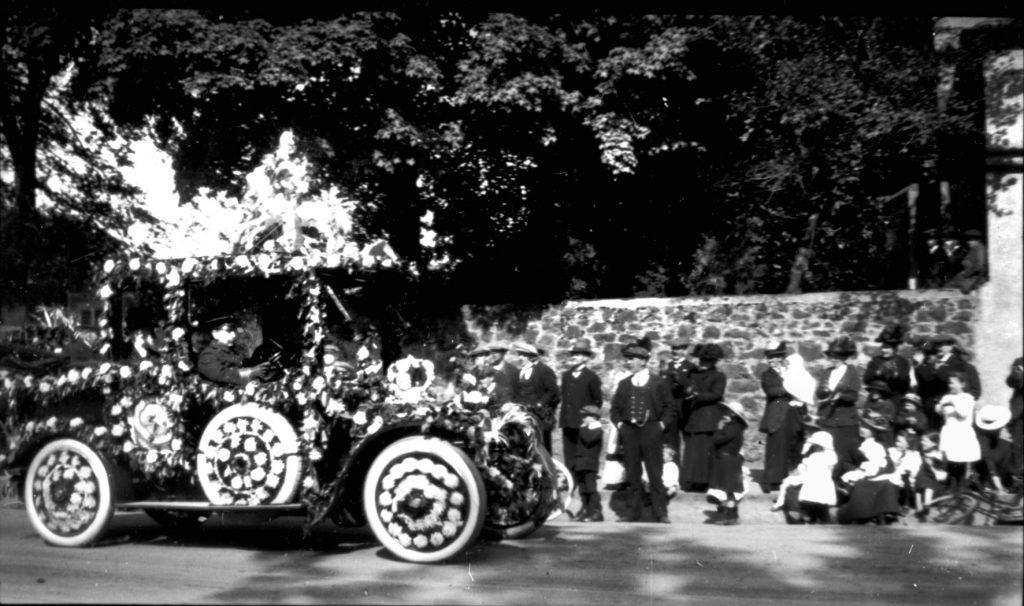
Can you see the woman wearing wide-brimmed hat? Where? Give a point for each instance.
(879, 400)
(708, 389)
(887, 365)
(837, 402)
(781, 423)
(996, 463)
(872, 497)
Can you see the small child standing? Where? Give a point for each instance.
(906, 458)
(931, 477)
(957, 439)
(811, 485)
(727, 464)
(585, 464)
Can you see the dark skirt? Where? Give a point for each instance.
(727, 473)
(779, 450)
(869, 499)
(926, 479)
(697, 456)
(846, 441)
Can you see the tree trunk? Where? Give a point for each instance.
(802, 260)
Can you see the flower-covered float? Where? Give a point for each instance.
(350, 443)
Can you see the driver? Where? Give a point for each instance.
(220, 362)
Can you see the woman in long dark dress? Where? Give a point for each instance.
(837, 403)
(873, 497)
(782, 423)
(708, 385)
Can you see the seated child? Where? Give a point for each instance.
(906, 459)
(911, 415)
(807, 493)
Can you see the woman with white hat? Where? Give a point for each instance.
(996, 448)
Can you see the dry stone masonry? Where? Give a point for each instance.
(741, 325)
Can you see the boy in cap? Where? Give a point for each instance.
(585, 462)
(581, 387)
(641, 408)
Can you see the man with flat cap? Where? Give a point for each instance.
(537, 388)
(580, 387)
(221, 363)
(506, 376)
(641, 408)
(676, 370)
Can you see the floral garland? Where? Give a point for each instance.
(150, 404)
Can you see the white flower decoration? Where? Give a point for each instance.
(76, 422)
(117, 431)
(134, 264)
(125, 372)
(108, 266)
(105, 292)
(99, 431)
(359, 418)
(376, 425)
(128, 447)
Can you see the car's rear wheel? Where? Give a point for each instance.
(69, 493)
(424, 499)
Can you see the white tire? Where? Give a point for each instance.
(424, 499)
(249, 455)
(69, 493)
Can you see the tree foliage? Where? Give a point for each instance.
(583, 155)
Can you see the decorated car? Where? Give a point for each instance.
(349, 443)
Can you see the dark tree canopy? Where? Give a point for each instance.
(583, 155)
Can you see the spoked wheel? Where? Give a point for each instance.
(953, 509)
(176, 520)
(521, 521)
(69, 493)
(424, 499)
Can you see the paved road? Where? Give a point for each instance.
(236, 561)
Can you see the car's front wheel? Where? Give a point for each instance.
(69, 493)
(424, 499)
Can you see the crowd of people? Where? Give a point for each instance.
(872, 445)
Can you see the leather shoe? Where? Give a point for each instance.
(664, 520)
(597, 517)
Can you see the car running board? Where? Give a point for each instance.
(207, 506)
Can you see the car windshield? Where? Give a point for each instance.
(268, 311)
(137, 315)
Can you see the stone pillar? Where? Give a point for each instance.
(999, 332)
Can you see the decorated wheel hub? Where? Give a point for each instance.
(422, 502)
(248, 456)
(65, 493)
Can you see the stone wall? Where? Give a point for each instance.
(741, 325)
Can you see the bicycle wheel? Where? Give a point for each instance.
(954, 509)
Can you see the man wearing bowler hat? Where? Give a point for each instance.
(506, 376)
(580, 387)
(641, 408)
(220, 362)
(537, 388)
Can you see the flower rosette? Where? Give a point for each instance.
(422, 502)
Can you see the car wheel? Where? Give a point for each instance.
(424, 499)
(249, 455)
(69, 493)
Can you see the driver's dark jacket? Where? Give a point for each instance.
(218, 362)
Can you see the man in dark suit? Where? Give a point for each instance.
(220, 362)
(537, 388)
(580, 387)
(641, 408)
(506, 376)
(677, 371)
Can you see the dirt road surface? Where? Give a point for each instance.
(565, 562)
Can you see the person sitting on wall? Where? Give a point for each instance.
(974, 266)
(221, 363)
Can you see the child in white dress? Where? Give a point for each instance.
(957, 440)
(817, 490)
